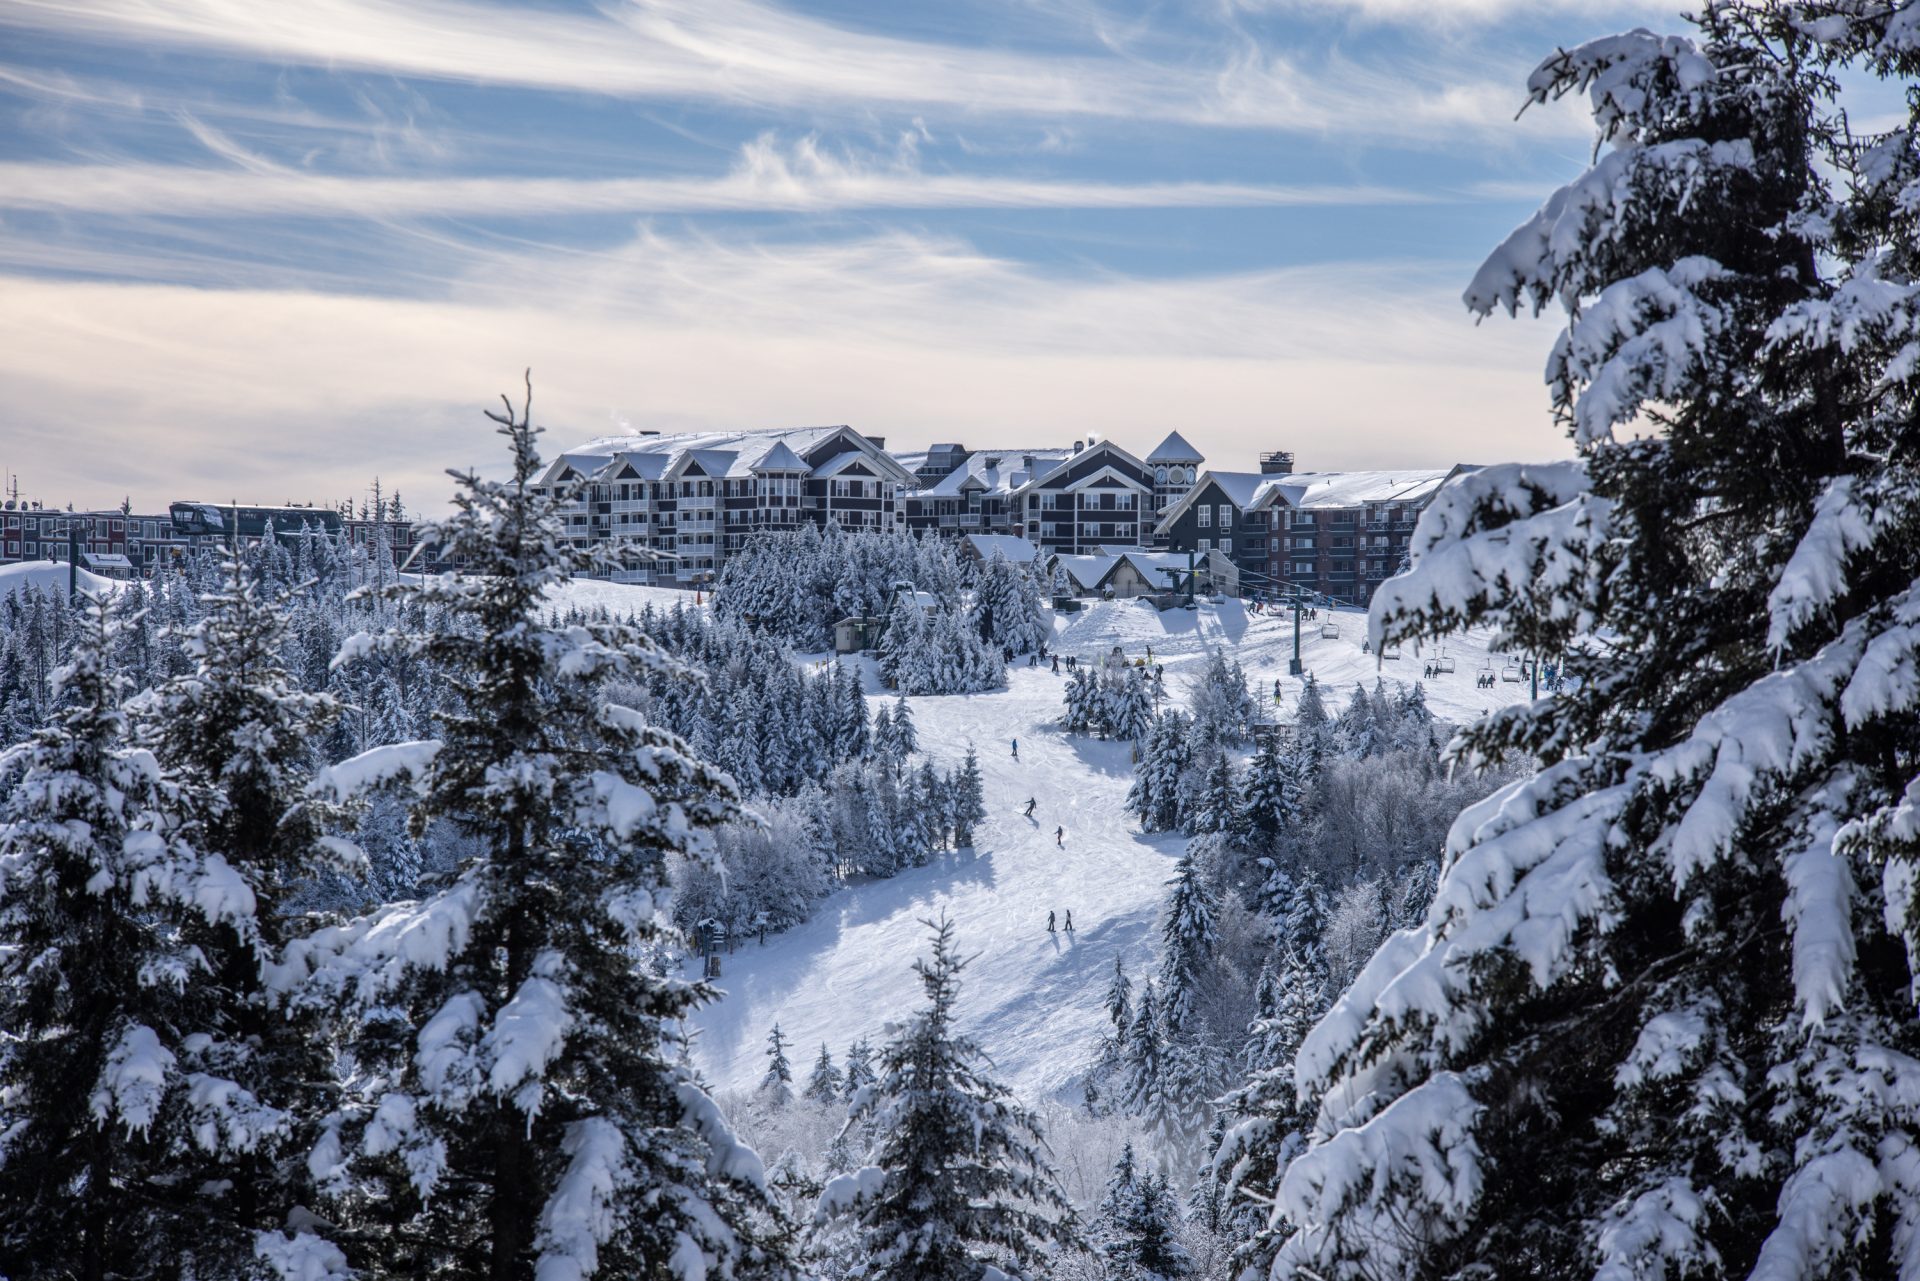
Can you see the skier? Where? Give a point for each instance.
(1049, 922)
(1016, 749)
(1060, 837)
(1056, 664)
(1276, 689)
(1069, 922)
(1031, 802)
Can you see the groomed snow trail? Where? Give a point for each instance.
(1032, 999)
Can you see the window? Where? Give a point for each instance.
(1303, 567)
(1226, 515)
(1203, 545)
(1206, 516)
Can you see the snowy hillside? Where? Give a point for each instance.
(1031, 998)
(49, 577)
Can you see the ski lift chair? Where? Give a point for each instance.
(1511, 672)
(1443, 664)
(1329, 631)
(1389, 652)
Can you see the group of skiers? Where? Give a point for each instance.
(1066, 925)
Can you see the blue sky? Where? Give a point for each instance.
(269, 250)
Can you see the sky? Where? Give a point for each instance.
(267, 252)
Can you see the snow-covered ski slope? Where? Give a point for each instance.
(1031, 998)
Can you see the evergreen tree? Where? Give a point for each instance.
(905, 741)
(234, 735)
(1666, 1025)
(115, 1099)
(1155, 793)
(529, 1108)
(1189, 937)
(859, 1069)
(776, 1087)
(1216, 801)
(1147, 1090)
(826, 1083)
(1142, 1242)
(967, 799)
(960, 1178)
(1269, 803)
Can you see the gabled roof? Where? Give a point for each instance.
(1074, 459)
(780, 458)
(996, 471)
(1087, 572)
(1174, 449)
(1102, 476)
(736, 454)
(1244, 489)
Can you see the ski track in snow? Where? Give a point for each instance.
(1032, 999)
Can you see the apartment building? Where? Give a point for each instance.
(1336, 534)
(674, 507)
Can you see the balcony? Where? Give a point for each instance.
(690, 524)
(1375, 527)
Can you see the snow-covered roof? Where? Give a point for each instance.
(1174, 449)
(1307, 491)
(780, 458)
(1087, 572)
(1010, 547)
(1154, 566)
(736, 454)
(995, 471)
(1072, 458)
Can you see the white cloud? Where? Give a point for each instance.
(288, 395)
(753, 52)
(768, 177)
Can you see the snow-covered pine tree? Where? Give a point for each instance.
(826, 1083)
(1130, 711)
(1189, 938)
(1660, 1017)
(959, 1176)
(1269, 804)
(905, 741)
(1312, 729)
(859, 1068)
(1142, 1241)
(967, 801)
(530, 1109)
(1216, 799)
(234, 736)
(776, 1086)
(1082, 698)
(115, 1113)
(1155, 792)
(1147, 1087)
(1265, 1124)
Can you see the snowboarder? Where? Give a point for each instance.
(1049, 922)
(1016, 749)
(1276, 689)
(1068, 925)
(1060, 837)
(1056, 664)
(1031, 802)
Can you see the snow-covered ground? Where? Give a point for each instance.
(621, 598)
(1031, 998)
(48, 576)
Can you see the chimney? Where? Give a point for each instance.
(1077, 446)
(879, 442)
(1277, 462)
